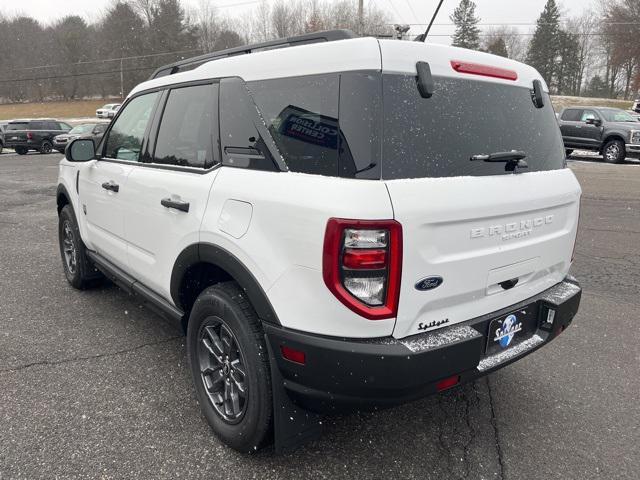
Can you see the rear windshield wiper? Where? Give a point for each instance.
(513, 159)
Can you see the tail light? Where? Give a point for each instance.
(29, 135)
(362, 265)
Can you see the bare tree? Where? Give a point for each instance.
(515, 42)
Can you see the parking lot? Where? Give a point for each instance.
(94, 385)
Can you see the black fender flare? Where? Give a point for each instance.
(221, 258)
(62, 191)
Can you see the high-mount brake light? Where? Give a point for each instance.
(483, 70)
(362, 263)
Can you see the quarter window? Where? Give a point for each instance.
(188, 128)
(127, 133)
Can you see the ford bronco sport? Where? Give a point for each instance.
(329, 226)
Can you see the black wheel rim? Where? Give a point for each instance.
(46, 147)
(612, 152)
(69, 247)
(222, 370)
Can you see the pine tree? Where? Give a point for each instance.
(546, 42)
(467, 34)
(498, 47)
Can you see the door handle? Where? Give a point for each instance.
(111, 185)
(175, 204)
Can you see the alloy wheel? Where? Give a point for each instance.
(69, 248)
(222, 370)
(612, 152)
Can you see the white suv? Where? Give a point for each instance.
(336, 221)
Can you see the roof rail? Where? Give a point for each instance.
(315, 37)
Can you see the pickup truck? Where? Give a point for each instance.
(611, 132)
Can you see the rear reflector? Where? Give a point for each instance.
(483, 70)
(293, 355)
(448, 383)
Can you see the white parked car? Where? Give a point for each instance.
(328, 225)
(107, 111)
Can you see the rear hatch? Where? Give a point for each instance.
(16, 132)
(477, 238)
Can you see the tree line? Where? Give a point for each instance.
(73, 58)
(595, 54)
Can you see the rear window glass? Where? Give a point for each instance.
(436, 137)
(17, 126)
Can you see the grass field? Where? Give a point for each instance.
(87, 108)
(71, 109)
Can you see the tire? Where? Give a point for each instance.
(1, 147)
(46, 147)
(79, 270)
(614, 151)
(21, 150)
(568, 152)
(223, 316)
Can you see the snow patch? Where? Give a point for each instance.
(420, 343)
(495, 360)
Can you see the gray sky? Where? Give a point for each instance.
(401, 11)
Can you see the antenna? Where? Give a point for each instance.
(423, 37)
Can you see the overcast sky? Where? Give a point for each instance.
(401, 11)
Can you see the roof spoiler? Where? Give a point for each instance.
(315, 37)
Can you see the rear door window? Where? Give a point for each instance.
(572, 115)
(188, 129)
(37, 125)
(17, 126)
(437, 136)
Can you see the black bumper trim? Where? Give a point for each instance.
(341, 372)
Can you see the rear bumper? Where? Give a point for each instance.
(20, 144)
(346, 373)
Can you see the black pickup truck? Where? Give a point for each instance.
(25, 135)
(612, 132)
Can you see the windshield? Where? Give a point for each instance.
(616, 115)
(81, 129)
(437, 136)
(17, 126)
(107, 106)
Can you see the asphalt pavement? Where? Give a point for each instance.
(94, 385)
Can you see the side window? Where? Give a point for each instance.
(189, 126)
(64, 126)
(125, 138)
(572, 115)
(242, 144)
(36, 126)
(588, 114)
(302, 116)
(52, 126)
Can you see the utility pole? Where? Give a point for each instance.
(361, 16)
(121, 80)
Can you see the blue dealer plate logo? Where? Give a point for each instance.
(507, 330)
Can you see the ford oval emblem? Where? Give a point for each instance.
(429, 283)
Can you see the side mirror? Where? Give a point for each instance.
(80, 150)
(593, 121)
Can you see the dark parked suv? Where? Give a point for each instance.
(612, 132)
(25, 135)
(3, 127)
